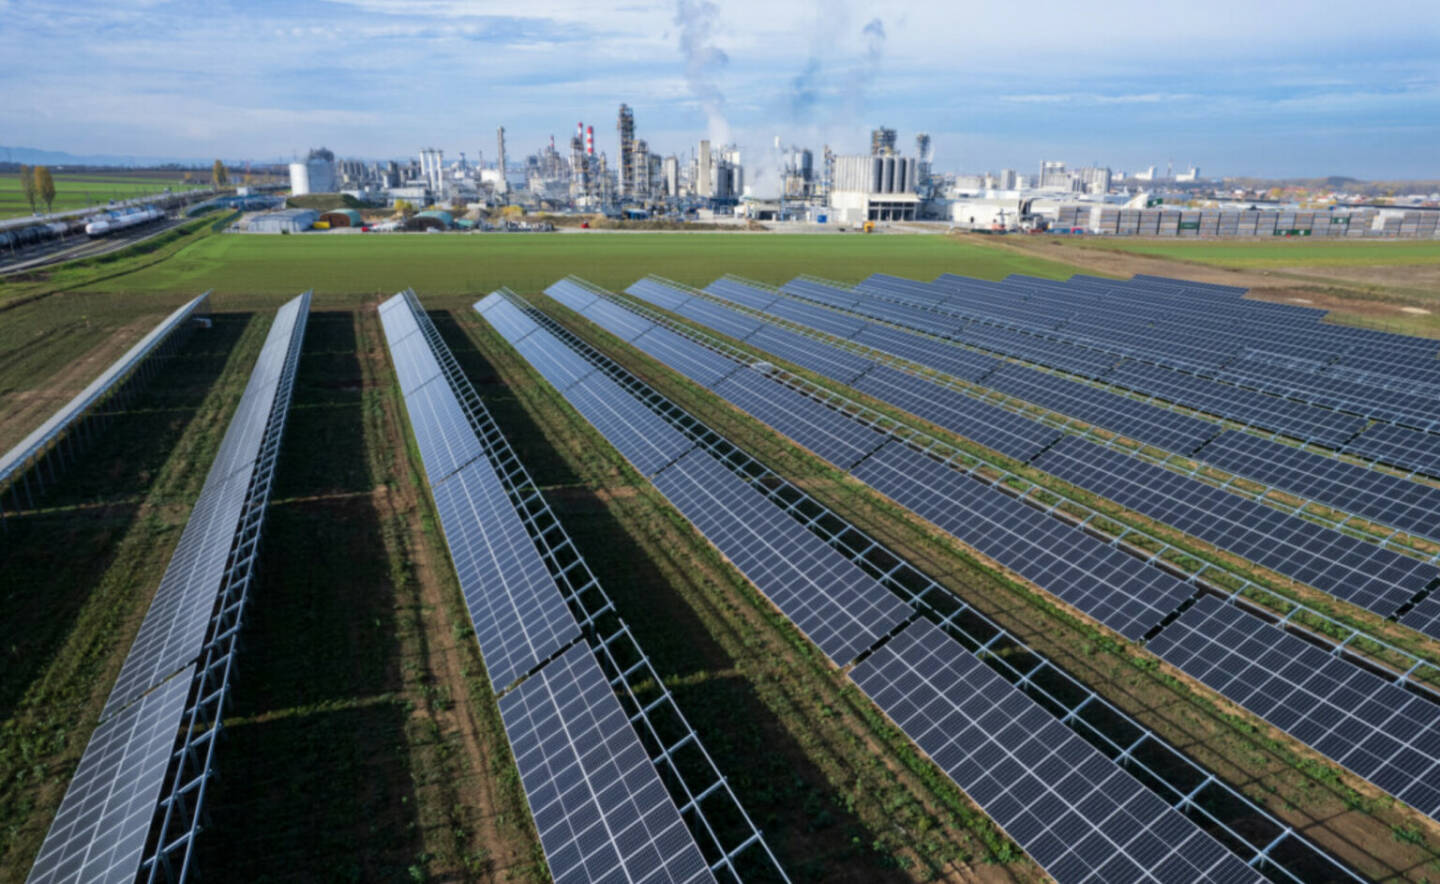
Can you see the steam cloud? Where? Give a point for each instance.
(697, 20)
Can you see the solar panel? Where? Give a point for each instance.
(646, 440)
(396, 320)
(828, 321)
(415, 363)
(519, 615)
(1114, 588)
(442, 431)
(725, 320)
(173, 631)
(842, 609)
(956, 361)
(572, 294)
(508, 319)
(659, 293)
(1294, 419)
(1390, 500)
(1399, 446)
(741, 293)
(560, 365)
(821, 358)
(1425, 616)
(703, 366)
(990, 425)
(1380, 731)
(1358, 572)
(834, 436)
(100, 830)
(599, 807)
(1073, 810)
(1141, 421)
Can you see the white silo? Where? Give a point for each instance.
(299, 179)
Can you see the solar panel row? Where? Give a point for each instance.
(1261, 410)
(102, 828)
(1067, 805)
(599, 805)
(769, 547)
(987, 424)
(173, 631)
(1114, 587)
(1361, 573)
(1117, 589)
(1390, 500)
(1380, 731)
(1193, 343)
(1353, 488)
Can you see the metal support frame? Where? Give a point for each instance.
(605, 635)
(182, 814)
(976, 467)
(935, 603)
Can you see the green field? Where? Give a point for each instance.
(79, 191)
(1262, 254)
(342, 268)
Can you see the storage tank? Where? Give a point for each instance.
(299, 179)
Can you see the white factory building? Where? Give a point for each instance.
(874, 188)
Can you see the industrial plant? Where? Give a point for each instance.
(796, 184)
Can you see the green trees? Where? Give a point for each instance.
(27, 184)
(219, 175)
(44, 186)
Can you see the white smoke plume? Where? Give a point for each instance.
(698, 21)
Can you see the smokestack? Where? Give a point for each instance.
(590, 140)
(580, 130)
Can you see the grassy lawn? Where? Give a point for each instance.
(79, 191)
(1283, 253)
(340, 268)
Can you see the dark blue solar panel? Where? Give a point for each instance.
(834, 436)
(1425, 616)
(1079, 815)
(841, 609)
(600, 809)
(703, 366)
(1380, 731)
(1399, 446)
(726, 320)
(646, 439)
(1114, 588)
(1390, 500)
(821, 358)
(740, 293)
(1358, 572)
(520, 618)
(1256, 409)
(952, 359)
(990, 425)
(1140, 421)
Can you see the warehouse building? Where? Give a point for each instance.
(342, 218)
(432, 220)
(283, 221)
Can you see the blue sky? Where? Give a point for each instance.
(1278, 88)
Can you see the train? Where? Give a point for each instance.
(109, 222)
(99, 225)
(20, 237)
